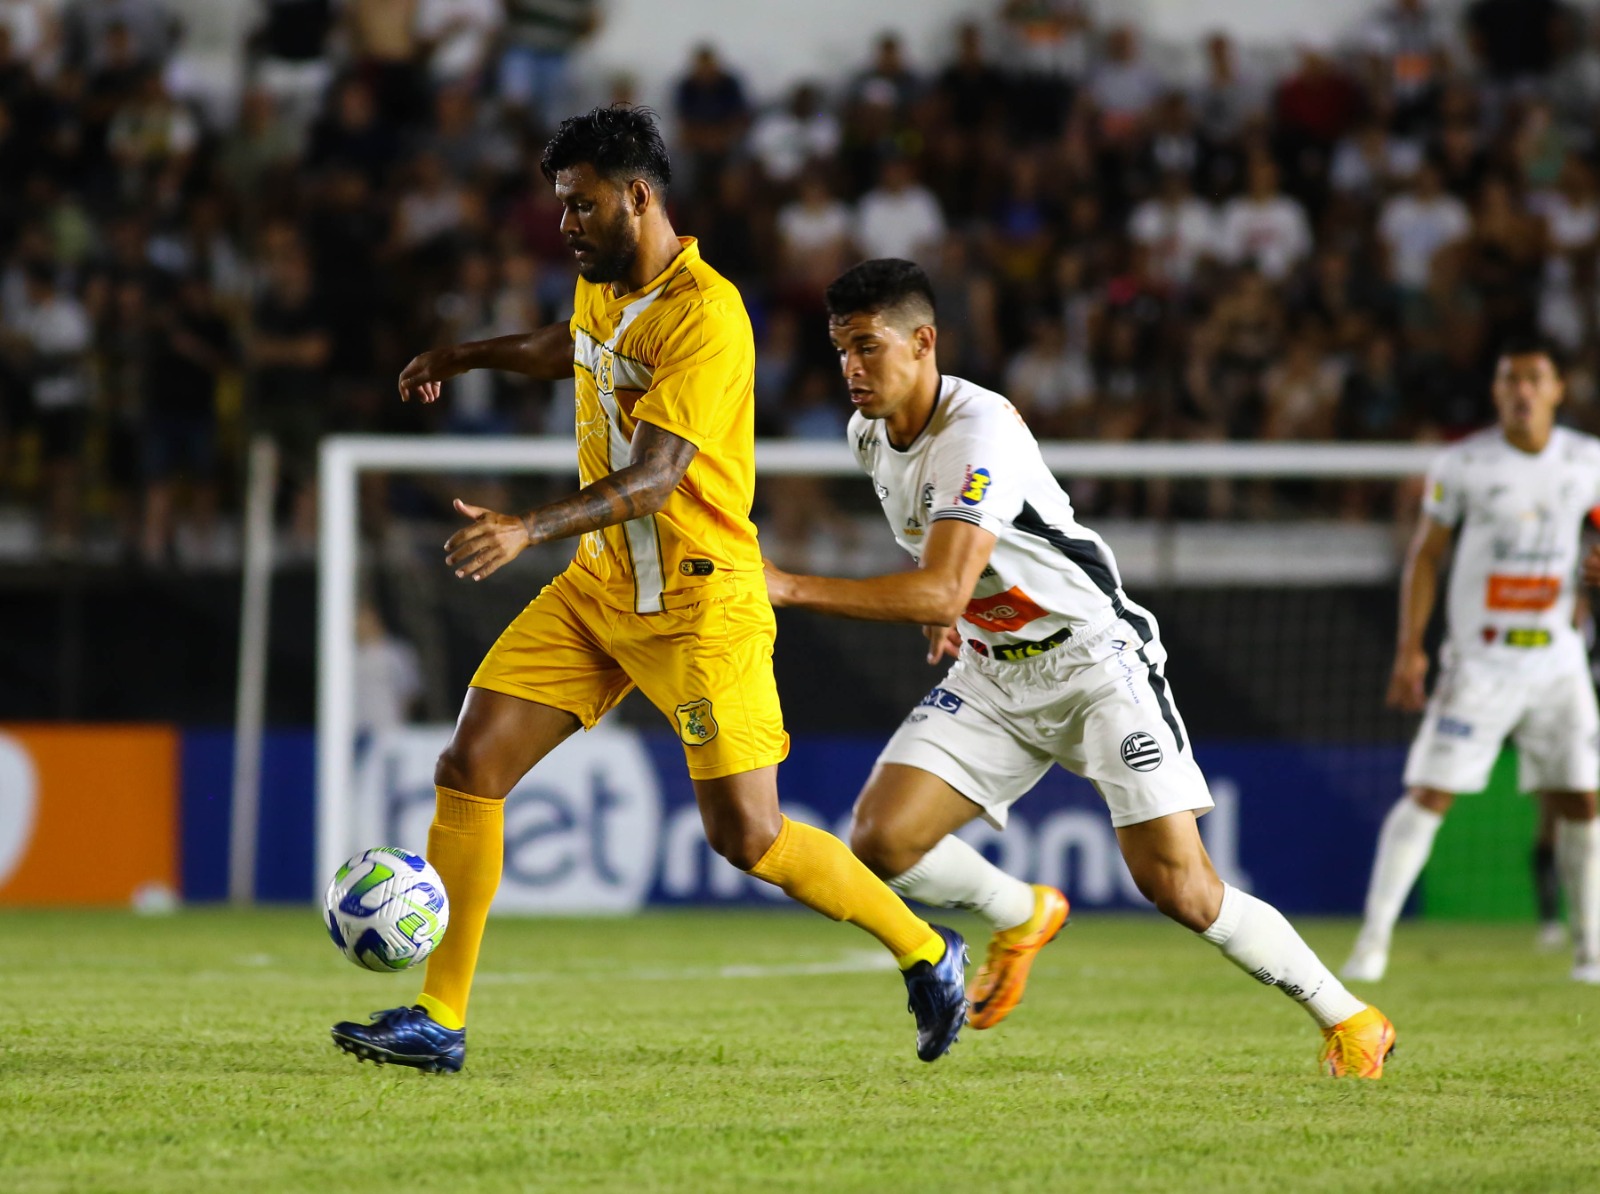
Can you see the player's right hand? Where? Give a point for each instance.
(422, 378)
(1408, 679)
(942, 641)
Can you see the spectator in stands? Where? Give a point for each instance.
(1405, 51)
(813, 240)
(799, 135)
(290, 54)
(92, 29)
(1050, 44)
(1571, 214)
(972, 93)
(540, 36)
(387, 52)
(1516, 42)
(260, 150)
(455, 37)
(1047, 381)
(1302, 391)
(288, 347)
(48, 346)
(152, 141)
(1312, 109)
(1178, 230)
(899, 217)
(712, 112)
(1228, 101)
(1264, 228)
(1370, 162)
(889, 79)
(353, 135)
(1418, 224)
(1122, 88)
(190, 347)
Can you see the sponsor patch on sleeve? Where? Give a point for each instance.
(975, 485)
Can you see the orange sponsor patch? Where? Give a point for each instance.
(1011, 610)
(1528, 593)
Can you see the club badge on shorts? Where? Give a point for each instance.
(696, 725)
(1141, 752)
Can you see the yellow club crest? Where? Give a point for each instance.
(696, 725)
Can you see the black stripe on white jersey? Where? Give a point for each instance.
(1086, 556)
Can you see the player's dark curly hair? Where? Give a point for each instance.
(621, 142)
(1532, 345)
(882, 284)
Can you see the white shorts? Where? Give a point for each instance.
(1101, 708)
(1553, 719)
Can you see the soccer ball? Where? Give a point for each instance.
(386, 909)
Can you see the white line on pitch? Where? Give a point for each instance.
(855, 962)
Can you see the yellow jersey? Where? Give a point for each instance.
(679, 354)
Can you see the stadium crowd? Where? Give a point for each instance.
(1323, 242)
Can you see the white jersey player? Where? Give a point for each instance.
(1054, 664)
(1515, 498)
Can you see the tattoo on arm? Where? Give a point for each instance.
(658, 462)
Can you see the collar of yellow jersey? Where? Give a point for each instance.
(689, 252)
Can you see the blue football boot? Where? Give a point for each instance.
(936, 995)
(404, 1036)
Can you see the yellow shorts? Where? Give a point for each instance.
(707, 666)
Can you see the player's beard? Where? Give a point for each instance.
(614, 249)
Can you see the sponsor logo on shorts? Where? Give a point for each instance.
(1141, 752)
(696, 725)
(975, 486)
(697, 567)
(1011, 652)
(1454, 727)
(941, 699)
(978, 645)
(1528, 636)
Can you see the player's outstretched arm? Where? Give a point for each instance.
(1419, 587)
(656, 464)
(934, 595)
(546, 353)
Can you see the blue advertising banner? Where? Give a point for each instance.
(608, 823)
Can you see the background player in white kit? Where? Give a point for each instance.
(1054, 665)
(1513, 664)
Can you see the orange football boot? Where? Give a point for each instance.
(997, 987)
(1358, 1047)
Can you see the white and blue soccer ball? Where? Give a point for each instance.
(386, 909)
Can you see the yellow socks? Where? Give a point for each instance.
(818, 870)
(466, 845)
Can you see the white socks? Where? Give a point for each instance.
(954, 875)
(1404, 844)
(1255, 937)
(1578, 859)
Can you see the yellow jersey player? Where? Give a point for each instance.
(665, 591)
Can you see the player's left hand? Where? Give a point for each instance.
(942, 641)
(490, 543)
(778, 583)
(1591, 568)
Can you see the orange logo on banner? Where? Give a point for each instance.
(88, 814)
(1011, 610)
(1523, 592)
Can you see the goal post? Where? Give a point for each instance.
(345, 458)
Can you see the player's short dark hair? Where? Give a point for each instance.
(1532, 346)
(621, 142)
(884, 284)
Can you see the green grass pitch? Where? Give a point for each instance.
(751, 1051)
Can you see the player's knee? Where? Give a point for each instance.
(881, 850)
(1183, 894)
(469, 766)
(743, 843)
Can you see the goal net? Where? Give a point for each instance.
(1272, 569)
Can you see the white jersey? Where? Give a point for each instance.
(1514, 577)
(1049, 579)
